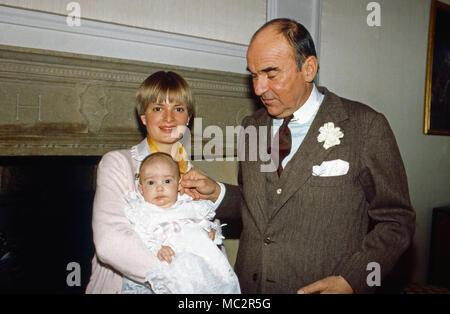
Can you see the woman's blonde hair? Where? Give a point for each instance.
(162, 85)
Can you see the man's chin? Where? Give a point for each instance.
(274, 112)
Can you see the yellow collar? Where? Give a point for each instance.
(181, 156)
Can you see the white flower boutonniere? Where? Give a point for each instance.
(330, 135)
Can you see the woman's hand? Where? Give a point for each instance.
(198, 186)
(165, 254)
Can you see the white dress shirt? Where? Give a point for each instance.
(299, 125)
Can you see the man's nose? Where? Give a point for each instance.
(260, 86)
(159, 187)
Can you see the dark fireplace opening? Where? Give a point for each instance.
(45, 223)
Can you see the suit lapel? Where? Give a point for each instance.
(255, 186)
(311, 152)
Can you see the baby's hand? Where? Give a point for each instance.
(165, 254)
(212, 234)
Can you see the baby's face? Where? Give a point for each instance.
(159, 183)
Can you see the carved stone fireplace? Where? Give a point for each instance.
(59, 113)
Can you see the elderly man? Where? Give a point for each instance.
(337, 204)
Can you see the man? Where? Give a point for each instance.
(340, 200)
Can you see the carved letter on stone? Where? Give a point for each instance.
(20, 107)
(93, 101)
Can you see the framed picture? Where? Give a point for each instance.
(437, 89)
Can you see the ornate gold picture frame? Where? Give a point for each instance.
(437, 88)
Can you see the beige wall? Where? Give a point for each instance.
(231, 21)
(384, 67)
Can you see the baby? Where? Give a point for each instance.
(174, 228)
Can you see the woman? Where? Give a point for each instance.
(165, 106)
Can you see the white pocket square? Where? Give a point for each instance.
(331, 168)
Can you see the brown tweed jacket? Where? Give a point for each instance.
(300, 228)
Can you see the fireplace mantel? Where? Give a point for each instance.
(55, 103)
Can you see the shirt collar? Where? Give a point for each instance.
(309, 108)
(141, 150)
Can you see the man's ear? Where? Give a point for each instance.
(309, 68)
(140, 188)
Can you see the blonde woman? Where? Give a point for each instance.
(165, 107)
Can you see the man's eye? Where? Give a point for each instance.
(179, 109)
(167, 181)
(150, 182)
(156, 109)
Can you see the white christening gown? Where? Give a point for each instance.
(198, 266)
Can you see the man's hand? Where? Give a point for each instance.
(165, 254)
(198, 186)
(328, 285)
